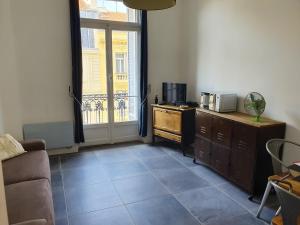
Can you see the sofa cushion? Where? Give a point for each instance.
(33, 145)
(29, 200)
(28, 166)
(9, 147)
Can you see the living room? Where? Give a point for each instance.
(213, 46)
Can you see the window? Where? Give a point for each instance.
(121, 62)
(87, 38)
(107, 10)
(109, 32)
(88, 14)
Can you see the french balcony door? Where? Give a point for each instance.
(110, 59)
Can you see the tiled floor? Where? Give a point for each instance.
(138, 184)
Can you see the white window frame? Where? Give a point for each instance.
(109, 26)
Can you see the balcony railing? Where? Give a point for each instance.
(95, 108)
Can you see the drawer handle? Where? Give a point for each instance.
(242, 145)
(220, 136)
(164, 111)
(203, 129)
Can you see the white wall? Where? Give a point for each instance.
(164, 45)
(2, 8)
(1, 118)
(243, 46)
(10, 110)
(37, 58)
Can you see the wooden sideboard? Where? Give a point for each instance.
(173, 123)
(233, 145)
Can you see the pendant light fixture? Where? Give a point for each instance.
(149, 4)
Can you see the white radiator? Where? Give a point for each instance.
(57, 134)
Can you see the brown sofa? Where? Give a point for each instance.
(27, 181)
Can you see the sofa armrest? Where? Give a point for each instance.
(32, 222)
(33, 145)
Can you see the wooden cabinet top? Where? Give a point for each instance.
(243, 118)
(171, 107)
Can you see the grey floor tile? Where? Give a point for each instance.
(112, 216)
(208, 175)
(179, 180)
(161, 211)
(54, 163)
(56, 179)
(246, 219)
(84, 176)
(177, 154)
(119, 154)
(139, 188)
(185, 160)
(267, 213)
(59, 202)
(170, 148)
(238, 195)
(210, 205)
(91, 198)
(147, 151)
(84, 159)
(162, 162)
(242, 198)
(61, 221)
(124, 169)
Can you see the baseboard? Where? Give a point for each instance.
(97, 142)
(61, 151)
(146, 140)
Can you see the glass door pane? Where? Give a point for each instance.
(125, 75)
(94, 96)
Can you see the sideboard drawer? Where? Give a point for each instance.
(167, 135)
(222, 131)
(220, 158)
(241, 169)
(203, 124)
(202, 149)
(168, 120)
(244, 138)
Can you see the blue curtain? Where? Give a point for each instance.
(76, 69)
(143, 121)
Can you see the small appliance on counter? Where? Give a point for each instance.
(219, 102)
(212, 102)
(204, 102)
(226, 102)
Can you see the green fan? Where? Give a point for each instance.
(255, 105)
